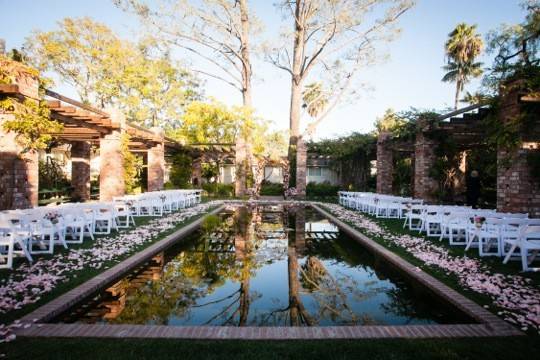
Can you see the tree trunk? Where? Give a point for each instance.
(243, 149)
(301, 167)
(458, 88)
(296, 90)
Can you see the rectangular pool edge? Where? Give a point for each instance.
(448, 294)
(63, 302)
(489, 325)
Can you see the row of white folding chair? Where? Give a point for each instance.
(497, 232)
(14, 240)
(528, 239)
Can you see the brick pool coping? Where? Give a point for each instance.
(488, 324)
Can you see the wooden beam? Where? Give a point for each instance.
(54, 104)
(75, 102)
(532, 99)
(69, 120)
(9, 89)
(65, 109)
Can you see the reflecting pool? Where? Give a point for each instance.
(279, 265)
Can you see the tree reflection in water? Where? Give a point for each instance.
(211, 280)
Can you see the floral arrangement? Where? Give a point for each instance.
(53, 217)
(291, 192)
(479, 221)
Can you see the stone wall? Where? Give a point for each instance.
(19, 172)
(156, 163)
(424, 158)
(80, 169)
(385, 164)
(517, 189)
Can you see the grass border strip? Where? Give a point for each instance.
(489, 325)
(63, 302)
(464, 304)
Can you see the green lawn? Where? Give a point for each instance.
(85, 274)
(526, 348)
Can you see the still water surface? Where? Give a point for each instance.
(265, 266)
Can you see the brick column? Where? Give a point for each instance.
(111, 173)
(424, 158)
(80, 169)
(300, 230)
(196, 173)
(156, 164)
(301, 167)
(19, 173)
(385, 164)
(517, 190)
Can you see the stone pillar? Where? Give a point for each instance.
(424, 158)
(385, 164)
(111, 174)
(196, 173)
(517, 189)
(80, 169)
(301, 167)
(300, 230)
(19, 172)
(156, 164)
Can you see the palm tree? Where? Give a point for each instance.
(462, 48)
(461, 74)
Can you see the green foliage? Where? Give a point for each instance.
(180, 174)
(133, 166)
(51, 175)
(209, 171)
(271, 189)
(210, 223)
(204, 122)
(31, 120)
(389, 122)
(216, 189)
(108, 71)
(405, 124)
(463, 46)
(350, 156)
(402, 176)
(315, 98)
(323, 189)
(345, 146)
(516, 48)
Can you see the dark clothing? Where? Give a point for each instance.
(473, 191)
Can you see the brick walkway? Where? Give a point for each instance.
(488, 324)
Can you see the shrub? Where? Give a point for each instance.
(180, 175)
(271, 189)
(321, 189)
(215, 189)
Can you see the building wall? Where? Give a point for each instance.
(273, 174)
(227, 174)
(320, 174)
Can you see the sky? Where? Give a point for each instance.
(411, 77)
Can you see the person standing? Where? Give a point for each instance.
(473, 189)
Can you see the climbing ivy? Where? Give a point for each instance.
(30, 121)
(133, 165)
